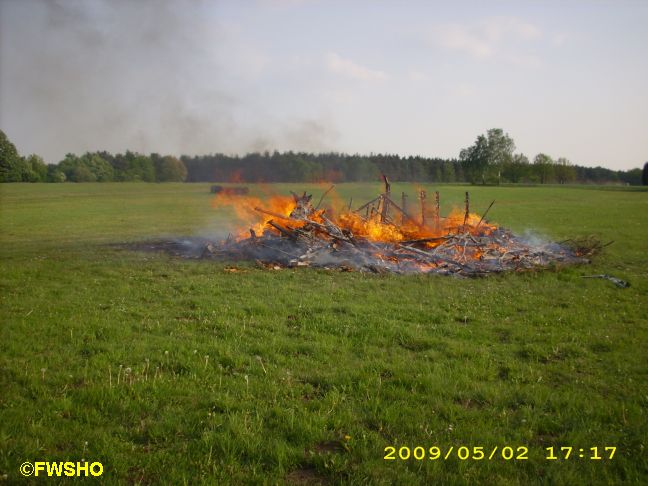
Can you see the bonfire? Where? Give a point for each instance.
(380, 236)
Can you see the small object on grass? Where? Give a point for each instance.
(258, 358)
(622, 284)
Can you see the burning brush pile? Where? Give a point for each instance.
(379, 236)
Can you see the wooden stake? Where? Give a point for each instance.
(485, 213)
(400, 210)
(467, 208)
(384, 208)
(422, 196)
(366, 205)
(324, 195)
(387, 184)
(437, 211)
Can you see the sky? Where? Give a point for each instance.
(566, 78)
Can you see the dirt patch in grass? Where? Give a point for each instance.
(306, 476)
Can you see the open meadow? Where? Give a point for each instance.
(179, 371)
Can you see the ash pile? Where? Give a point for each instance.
(382, 236)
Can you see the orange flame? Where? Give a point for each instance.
(245, 210)
(368, 225)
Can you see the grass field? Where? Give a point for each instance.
(175, 371)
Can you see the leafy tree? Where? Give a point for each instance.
(81, 173)
(438, 174)
(90, 167)
(140, 168)
(100, 168)
(500, 150)
(474, 160)
(516, 168)
(35, 169)
(170, 169)
(68, 164)
(54, 174)
(12, 166)
(644, 175)
(631, 177)
(120, 164)
(564, 171)
(449, 173)
(486, 157)
(543, 166)
(361, 169)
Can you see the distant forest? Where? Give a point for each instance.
(490, 160)
(336, 167)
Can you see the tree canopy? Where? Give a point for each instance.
(488, 156)
(14, 168)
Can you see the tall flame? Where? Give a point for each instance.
(255, 213)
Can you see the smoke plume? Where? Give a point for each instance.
(150, 76)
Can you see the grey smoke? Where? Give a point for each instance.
(145, 75)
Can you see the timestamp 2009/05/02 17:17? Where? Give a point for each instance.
(507, 453)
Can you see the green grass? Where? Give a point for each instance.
(257, 376)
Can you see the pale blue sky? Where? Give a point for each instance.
(566, 78)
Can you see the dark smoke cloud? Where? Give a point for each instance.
(145, 75)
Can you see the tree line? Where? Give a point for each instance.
(490, 160)
(89, 167)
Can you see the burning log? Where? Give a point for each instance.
(283, 230)
(271, 213)
(425, 240)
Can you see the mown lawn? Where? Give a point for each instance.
(175, 371)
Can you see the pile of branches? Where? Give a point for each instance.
(300, 241)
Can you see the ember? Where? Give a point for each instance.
(379, 236)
